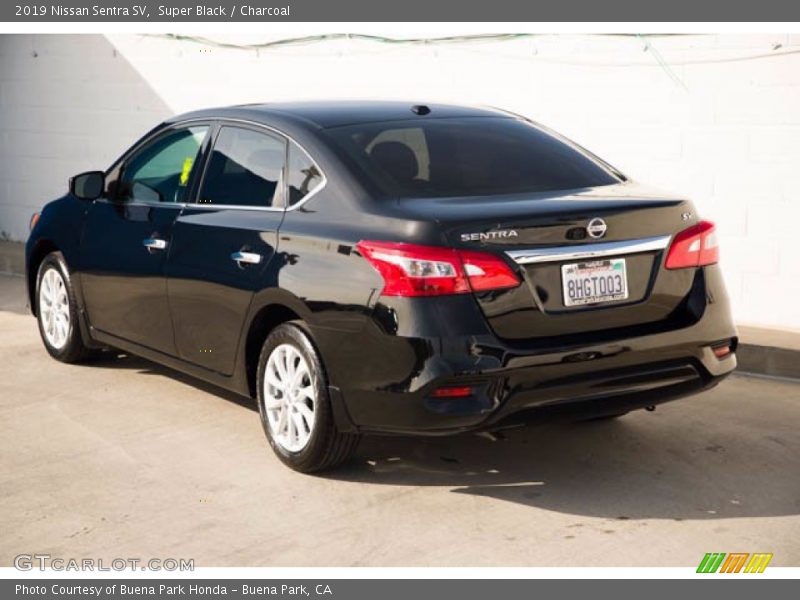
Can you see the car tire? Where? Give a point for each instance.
(57, 311)
(294, 403)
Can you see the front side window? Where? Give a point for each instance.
(474, 156)
(304, 176)
(162, 169)
(244, 169)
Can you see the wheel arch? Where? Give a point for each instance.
(270, 309)
(266, 319)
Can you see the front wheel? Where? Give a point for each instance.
(294, 404)
(57, 311)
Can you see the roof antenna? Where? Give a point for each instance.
(420, 109)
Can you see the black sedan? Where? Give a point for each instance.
(384, 267)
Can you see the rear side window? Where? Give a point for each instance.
(304, 175)
(475, 156)
(245, 169)
(162, 169)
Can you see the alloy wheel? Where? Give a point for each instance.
(289, 398)
(54, 311)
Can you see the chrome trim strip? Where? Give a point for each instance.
(145, 203)
(211, 121)
(250, 258)
(578, 252)
(257, 124)
(221, 207)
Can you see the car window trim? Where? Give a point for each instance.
(214, 123)
(221, 122)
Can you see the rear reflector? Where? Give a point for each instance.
(414, 270)
(694, 247)
(721, 351)
(453, 392)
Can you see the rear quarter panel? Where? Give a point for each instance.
(318, 273)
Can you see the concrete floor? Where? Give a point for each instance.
(123, 458)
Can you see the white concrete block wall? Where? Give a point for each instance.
(725, 132)
(67, 104)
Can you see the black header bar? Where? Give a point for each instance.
(400, 11)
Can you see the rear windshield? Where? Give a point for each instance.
(475, 156)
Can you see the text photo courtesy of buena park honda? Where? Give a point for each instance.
(400, 299)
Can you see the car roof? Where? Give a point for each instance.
(337, 113)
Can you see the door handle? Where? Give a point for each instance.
(154, 244)
(250, 258)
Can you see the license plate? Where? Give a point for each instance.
(594, 282)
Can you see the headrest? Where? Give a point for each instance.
(397, 159)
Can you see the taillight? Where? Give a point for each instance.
(461, 391)
(694, 247)
(34, 220)
(413, 270)
(486, 271)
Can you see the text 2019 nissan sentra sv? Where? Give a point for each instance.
(383, 267)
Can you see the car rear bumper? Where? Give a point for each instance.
(543, 392)
(520, 383)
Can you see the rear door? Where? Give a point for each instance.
(224, 244)
(128, 234)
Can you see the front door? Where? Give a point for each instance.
(224, 245)
(127, 237)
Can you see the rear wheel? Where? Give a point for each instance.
(294, 404)
(57, 311)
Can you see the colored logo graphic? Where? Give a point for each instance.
(735, 562)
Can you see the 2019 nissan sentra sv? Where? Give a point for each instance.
(383, 267)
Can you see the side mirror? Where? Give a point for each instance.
(88, 186)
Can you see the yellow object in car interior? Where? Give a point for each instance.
(187, 168)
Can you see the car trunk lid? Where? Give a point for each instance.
(550, 238)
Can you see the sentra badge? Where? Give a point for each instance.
(489, 235)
